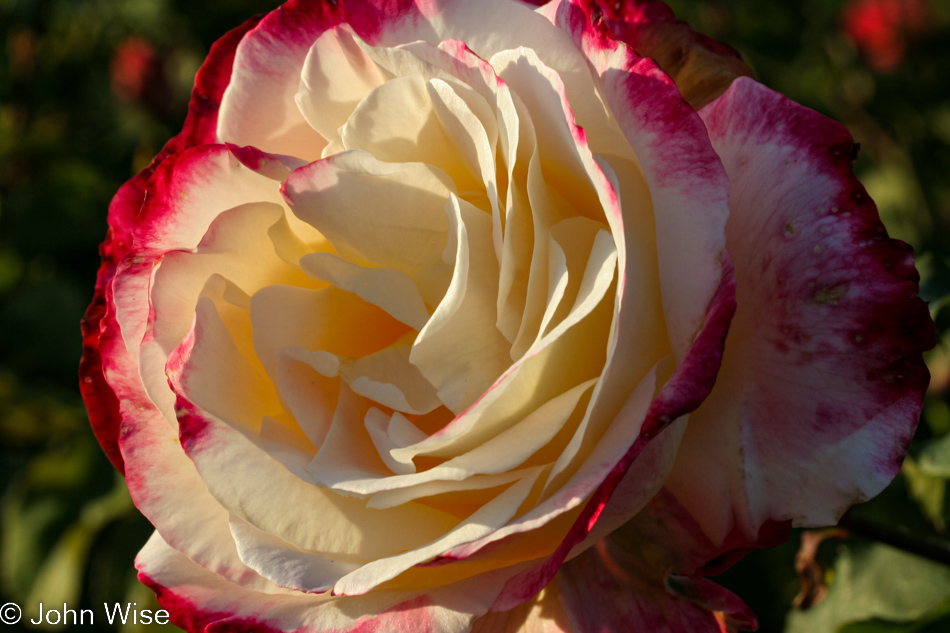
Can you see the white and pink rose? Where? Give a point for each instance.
(445, 315)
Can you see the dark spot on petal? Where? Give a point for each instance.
(830, 294)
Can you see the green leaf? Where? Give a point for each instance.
(878, 589)
(928, 490)
(934, 459)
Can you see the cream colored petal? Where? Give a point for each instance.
(286, 443)
(336, 75)
(639, 337)
(235, 246)
(348, 451)
(309, 388)
(474, 143)
(560, 181)
(392, 431)
(244, 478)
(564, 496)
(460, 351)
(593, 436)
(327, 319)
(520, 224)
(557, 285)
(561, 146)
(491, 26)
(571, 249)
(386, 288)
(477, 85)
(485, 520)
(387, 377)
(335, 146)
(554, 365)
(507, 450)
(257, 107)
(213, 374)
(592, 288)
(450, 608)
(385, 214)
(397, 123)
(398, 496)
(547, 207)
(517, 249)
(288, 243)
(231, 304)
(189, 191)
(516, 444)
(286, 565)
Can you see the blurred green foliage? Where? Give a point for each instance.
(91, 89)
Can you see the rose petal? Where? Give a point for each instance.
(201, 601)
(217, 377)
(486, 30)
(603, 592)
(286, 565)
(483, 521)
(545, 613)
(210, 83)
(460, 497)
(336, 75)
(232, 247)
(460, 351)
(242, 478)
(507, 450)
(822, 379)
(163, 481)
(309, 387)
(685, 390)
(687, 184)
(385, 288)
(285, 316)
(398, 122)
(389, 378)
(258, 106)
(388, 215)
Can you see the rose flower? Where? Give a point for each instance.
(446, 315)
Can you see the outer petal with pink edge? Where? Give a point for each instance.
(187, 191)
(201, 601)
(822, 379)
(210, 82)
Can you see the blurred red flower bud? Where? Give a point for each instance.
(881, 29)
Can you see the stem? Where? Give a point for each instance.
(928, 548)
